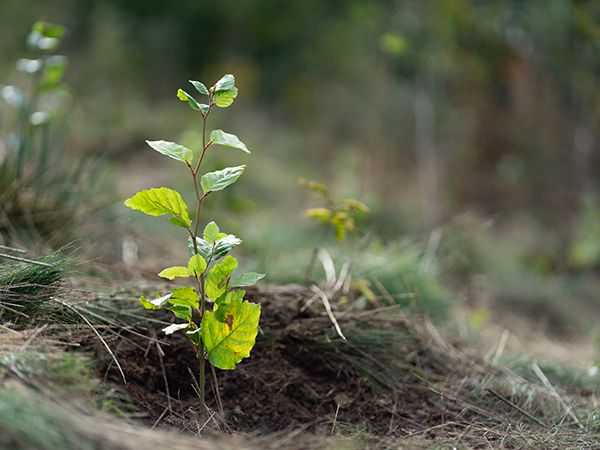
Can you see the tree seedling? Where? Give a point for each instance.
(212, 313)
(338, 216)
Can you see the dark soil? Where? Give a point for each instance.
(394, 378)
(285, 384)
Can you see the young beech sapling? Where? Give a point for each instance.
(212, 312)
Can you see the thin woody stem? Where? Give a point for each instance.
(200, 354)
(194, 235)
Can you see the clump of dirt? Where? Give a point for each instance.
(301, 374)
(394, 376)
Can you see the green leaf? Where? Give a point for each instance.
(53, 71)
(186, 296)
(228, 140)
(221, 247)
(224, 245)
(173, 150)
(185, 97)
(45, 36)
(227, 342)
(246, 279)
(177, 221)
(49, 29)
(220, 179)
(170, 273)
(218, 277)
(154, 304)
(211, 232)
(199, 87)
(223, 99)
(160, 201)
(194, 336)
(183, 312)
(226, 83)
(146, 304)
(175, 327)
(197, 265)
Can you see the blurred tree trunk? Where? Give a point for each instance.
(426, 155)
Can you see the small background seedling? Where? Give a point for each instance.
(337, 215)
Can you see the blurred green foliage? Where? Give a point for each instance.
(421, 108)
(585, 247)
(511, 87)
(42, 194)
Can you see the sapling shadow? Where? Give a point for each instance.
(215, 317)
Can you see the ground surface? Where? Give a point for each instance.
(396, 382)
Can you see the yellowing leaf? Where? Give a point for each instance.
(170, 273)
(340, 232)
(160, 201)
(222, 305)
(351, 204)
(314, 186)
(321, 214)
(342, 223)
(230, 341)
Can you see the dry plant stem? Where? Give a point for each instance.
(313, 258)
(25, 260)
